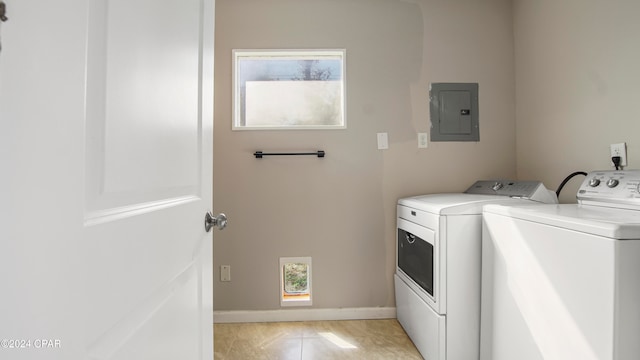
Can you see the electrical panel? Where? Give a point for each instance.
(454, 112)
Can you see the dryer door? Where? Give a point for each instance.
(418, 261)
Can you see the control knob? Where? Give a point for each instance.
(594, 182)
(612, 183)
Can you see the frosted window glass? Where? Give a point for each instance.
(285, 89)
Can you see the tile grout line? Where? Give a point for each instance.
(301, 346)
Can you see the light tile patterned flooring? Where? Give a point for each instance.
(348, 339)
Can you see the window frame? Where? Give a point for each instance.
(284, 53)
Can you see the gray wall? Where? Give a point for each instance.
(340, 210)
(577, 82)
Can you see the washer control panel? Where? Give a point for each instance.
(612, 188)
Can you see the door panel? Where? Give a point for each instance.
(140, 335)
(143, 124)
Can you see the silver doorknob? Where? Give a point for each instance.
(210, 221)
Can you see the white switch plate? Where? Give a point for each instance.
(620, 150)
(422, 140)
(383, 141)
(225, 273)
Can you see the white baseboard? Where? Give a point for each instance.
(220, 317)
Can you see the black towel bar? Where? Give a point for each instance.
(260, 154)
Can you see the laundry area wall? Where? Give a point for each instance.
(340, 210)
(577, 90)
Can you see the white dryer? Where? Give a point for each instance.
(562, 282)
(437, 279)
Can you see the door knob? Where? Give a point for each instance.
(210, 221)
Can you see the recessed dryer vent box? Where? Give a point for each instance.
(454, 112)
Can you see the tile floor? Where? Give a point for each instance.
(348, 339)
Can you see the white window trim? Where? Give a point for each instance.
(235, 103)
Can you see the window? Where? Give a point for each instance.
(295, 281)
(288, 89)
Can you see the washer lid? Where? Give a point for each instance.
(457, 203)
(620, 224)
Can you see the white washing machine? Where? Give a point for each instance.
(437, 279)
(562, 282)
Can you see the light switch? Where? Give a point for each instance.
(383, 141)
(422, 140)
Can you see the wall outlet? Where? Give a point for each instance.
(620, 150)
(422, 140)
(225, 273)
(383, 141)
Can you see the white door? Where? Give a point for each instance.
(106, 111)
